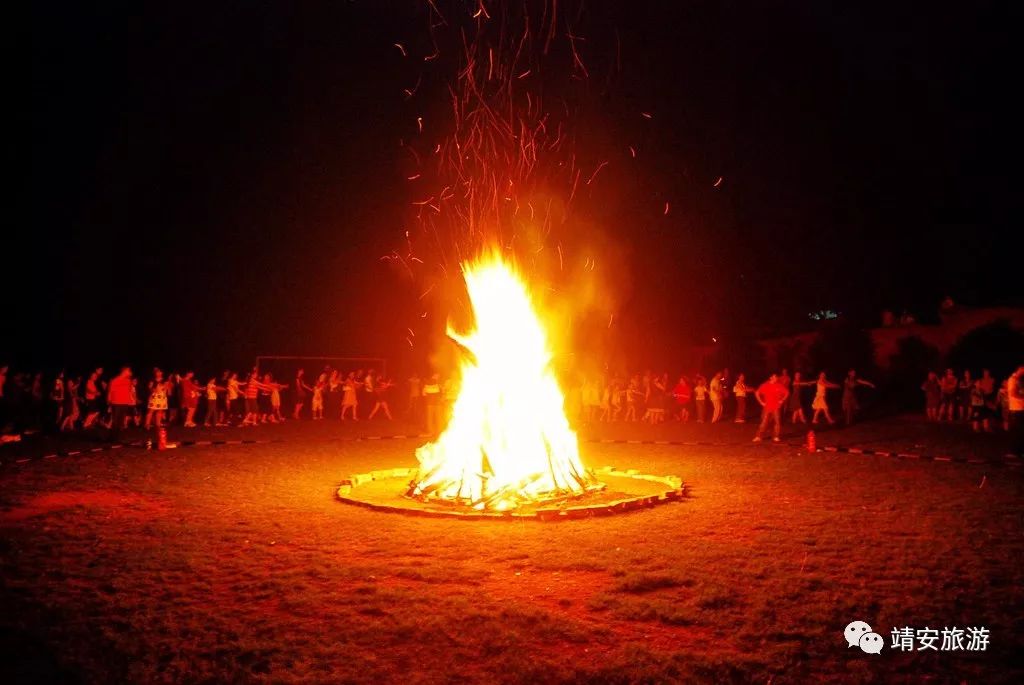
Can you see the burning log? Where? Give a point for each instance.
(509, 491)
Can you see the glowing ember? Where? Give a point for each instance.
(508, 440)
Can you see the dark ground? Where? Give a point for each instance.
(236, 564)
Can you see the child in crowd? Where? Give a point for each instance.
(700, 395)
(233, 399)
(212, 389)
(157, 407)
(318, 399)
(272, 402)
(333, 392)
(979, 412)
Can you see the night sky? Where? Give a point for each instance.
(213, 181)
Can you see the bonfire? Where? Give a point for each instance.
(508, 441)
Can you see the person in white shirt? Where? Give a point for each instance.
(715, 394)
(233, 398)
(740, 391)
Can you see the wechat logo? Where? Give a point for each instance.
(859, 634)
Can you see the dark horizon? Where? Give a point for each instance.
(208, 184)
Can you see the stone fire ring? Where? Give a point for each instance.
(625, 491)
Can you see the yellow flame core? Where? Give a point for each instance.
(508, 439)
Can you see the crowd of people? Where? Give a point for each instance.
(652, 398)
(977, 400)
(70, 403)
(66, 403)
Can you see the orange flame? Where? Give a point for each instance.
(508, 440)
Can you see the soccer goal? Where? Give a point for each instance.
(285, 367)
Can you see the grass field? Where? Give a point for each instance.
(236, 564)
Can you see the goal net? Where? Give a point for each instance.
(284, 367)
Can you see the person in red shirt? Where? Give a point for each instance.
(771, 396)
(121, 398)
(681, 393)
(252, 391)
(189, 398)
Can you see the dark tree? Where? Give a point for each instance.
(793, 356)
(840, 347)
(908, 368)
(741, 355)
(998, 347)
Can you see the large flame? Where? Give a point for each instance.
(508, 440)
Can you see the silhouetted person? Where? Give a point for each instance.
(121, 398)
(1015, 402)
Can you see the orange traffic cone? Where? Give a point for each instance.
(812, 446)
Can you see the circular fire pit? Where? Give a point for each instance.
(624, 491)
